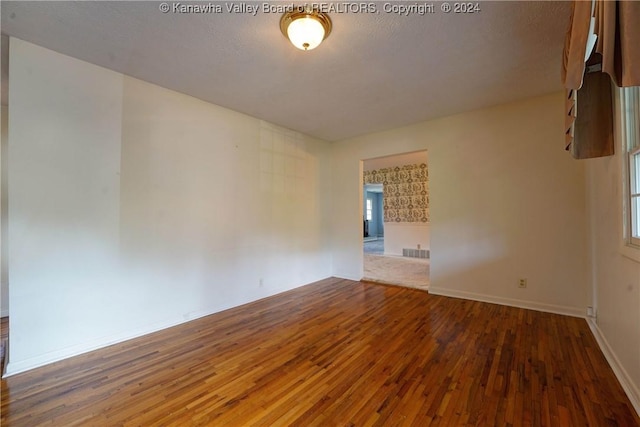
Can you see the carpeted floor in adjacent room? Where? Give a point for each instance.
(402, 271)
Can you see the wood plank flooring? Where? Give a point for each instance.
(341, 353)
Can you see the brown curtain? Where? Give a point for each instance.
(575, 45)
(588, 111)
(618, 30)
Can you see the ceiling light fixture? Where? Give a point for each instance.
(306, 27)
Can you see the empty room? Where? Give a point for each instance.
(188, 190)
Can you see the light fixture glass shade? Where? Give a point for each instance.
(306, 29)
(305, 33)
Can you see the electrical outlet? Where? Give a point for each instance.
(522, 283)
(261, 284)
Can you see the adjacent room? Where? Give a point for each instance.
(381, 213)
(402, 257)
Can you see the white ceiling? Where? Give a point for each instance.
(376, 71)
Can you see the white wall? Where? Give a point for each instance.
(134, 208)
(4, 223)
(4, 190)
(506, 202)
(405, 235)
(616, 273)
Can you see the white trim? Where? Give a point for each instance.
(408, 224)
(633, 240)
(4, 313)
(624, 131)
(14, 368)
(631, 252)
(531, 305)
(623, 377)
(347, 276)
(626, 249)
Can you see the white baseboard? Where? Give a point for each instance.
(347, 276)
(625, 380)
(531, 305)
(4, 313)
(14, 368)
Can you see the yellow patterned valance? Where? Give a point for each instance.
(406, 192)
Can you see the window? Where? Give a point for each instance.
(630, 103)
(634, 169)
(369, 210)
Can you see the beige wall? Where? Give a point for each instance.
(134, 208)
(4, 223)
(506, 203)
(139, 204)
(615, 270)
(4, 135)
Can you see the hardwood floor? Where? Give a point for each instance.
(336, 352)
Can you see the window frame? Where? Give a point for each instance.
(633, 193)
(629, 135)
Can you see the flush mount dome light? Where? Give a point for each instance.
(305, 28)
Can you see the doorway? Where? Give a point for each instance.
(373, 221)
(395, 212)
